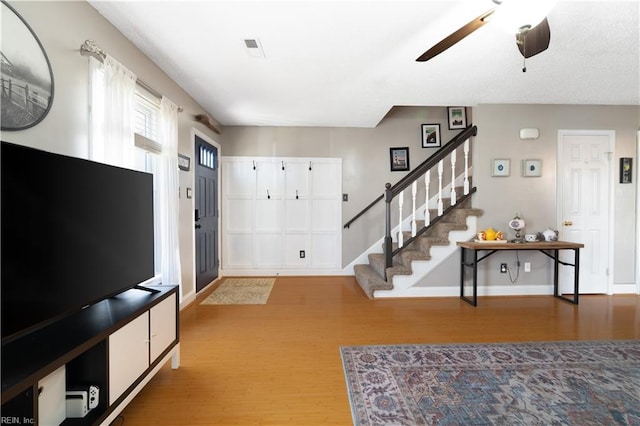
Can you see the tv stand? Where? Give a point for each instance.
(117, 345)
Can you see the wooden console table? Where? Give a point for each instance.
(469, 259)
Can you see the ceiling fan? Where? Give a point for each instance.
(526, 17)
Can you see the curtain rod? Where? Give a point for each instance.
(90, 48)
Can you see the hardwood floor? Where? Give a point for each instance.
(279, 363)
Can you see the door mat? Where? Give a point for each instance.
(241, 291)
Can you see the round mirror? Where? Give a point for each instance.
(26, 83)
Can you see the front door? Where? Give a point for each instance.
(584, 181)
(206, 213)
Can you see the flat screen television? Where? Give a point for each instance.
(74, 232)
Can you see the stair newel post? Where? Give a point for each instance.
(414, 193)
(440, 172)
(466, 167)
(453, 178)
(427, 213)
(388, 242)
(400, 205)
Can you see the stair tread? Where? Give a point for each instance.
(369, 280)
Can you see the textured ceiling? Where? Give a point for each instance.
(347, 63)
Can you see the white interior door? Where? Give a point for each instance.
(584, 207)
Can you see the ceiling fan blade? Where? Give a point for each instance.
(455, 37)
(535, 40)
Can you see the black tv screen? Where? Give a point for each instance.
(74, 232)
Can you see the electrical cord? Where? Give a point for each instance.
(511, 278)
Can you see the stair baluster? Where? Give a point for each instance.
(440, 172)
(400, 204)
(453, 178)
(427, 212)
(414, 193)
(466, 167)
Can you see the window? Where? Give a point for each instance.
(147, 113)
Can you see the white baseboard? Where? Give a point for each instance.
(281, 272)
(625, 289)
(451, 291)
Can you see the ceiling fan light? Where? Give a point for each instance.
(514, 15)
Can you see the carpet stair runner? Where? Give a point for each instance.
(371, 276)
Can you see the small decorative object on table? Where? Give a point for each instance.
(549, 235)
(517, 224)
(489, 235)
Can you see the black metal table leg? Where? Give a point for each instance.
(576, 273)
(463, 266)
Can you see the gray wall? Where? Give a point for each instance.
(62, 27)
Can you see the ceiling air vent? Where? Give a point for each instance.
(253, 47)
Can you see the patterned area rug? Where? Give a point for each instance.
(241, 291)
(551, 383)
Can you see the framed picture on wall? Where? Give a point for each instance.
(531, 168)
(399, 159)
(430, 135)
(27, 78)
(501, 167)
(457, 117)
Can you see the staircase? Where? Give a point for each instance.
(421, 256)
(407, 257)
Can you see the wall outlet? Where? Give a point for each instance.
(503, 268)
(302, 254)
(527, 266)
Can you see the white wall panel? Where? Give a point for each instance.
(238, 250)
(279, 208)
(268, 250)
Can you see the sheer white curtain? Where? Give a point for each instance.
(112, 112)
(168, 187)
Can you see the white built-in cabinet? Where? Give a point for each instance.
(281, 214)
(138, 344)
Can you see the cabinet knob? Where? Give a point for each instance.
(568, 223)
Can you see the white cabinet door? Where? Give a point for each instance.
(128, 355)
(163, 326)
(51, 399)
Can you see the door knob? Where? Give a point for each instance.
(198, 226)
(568, 223)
